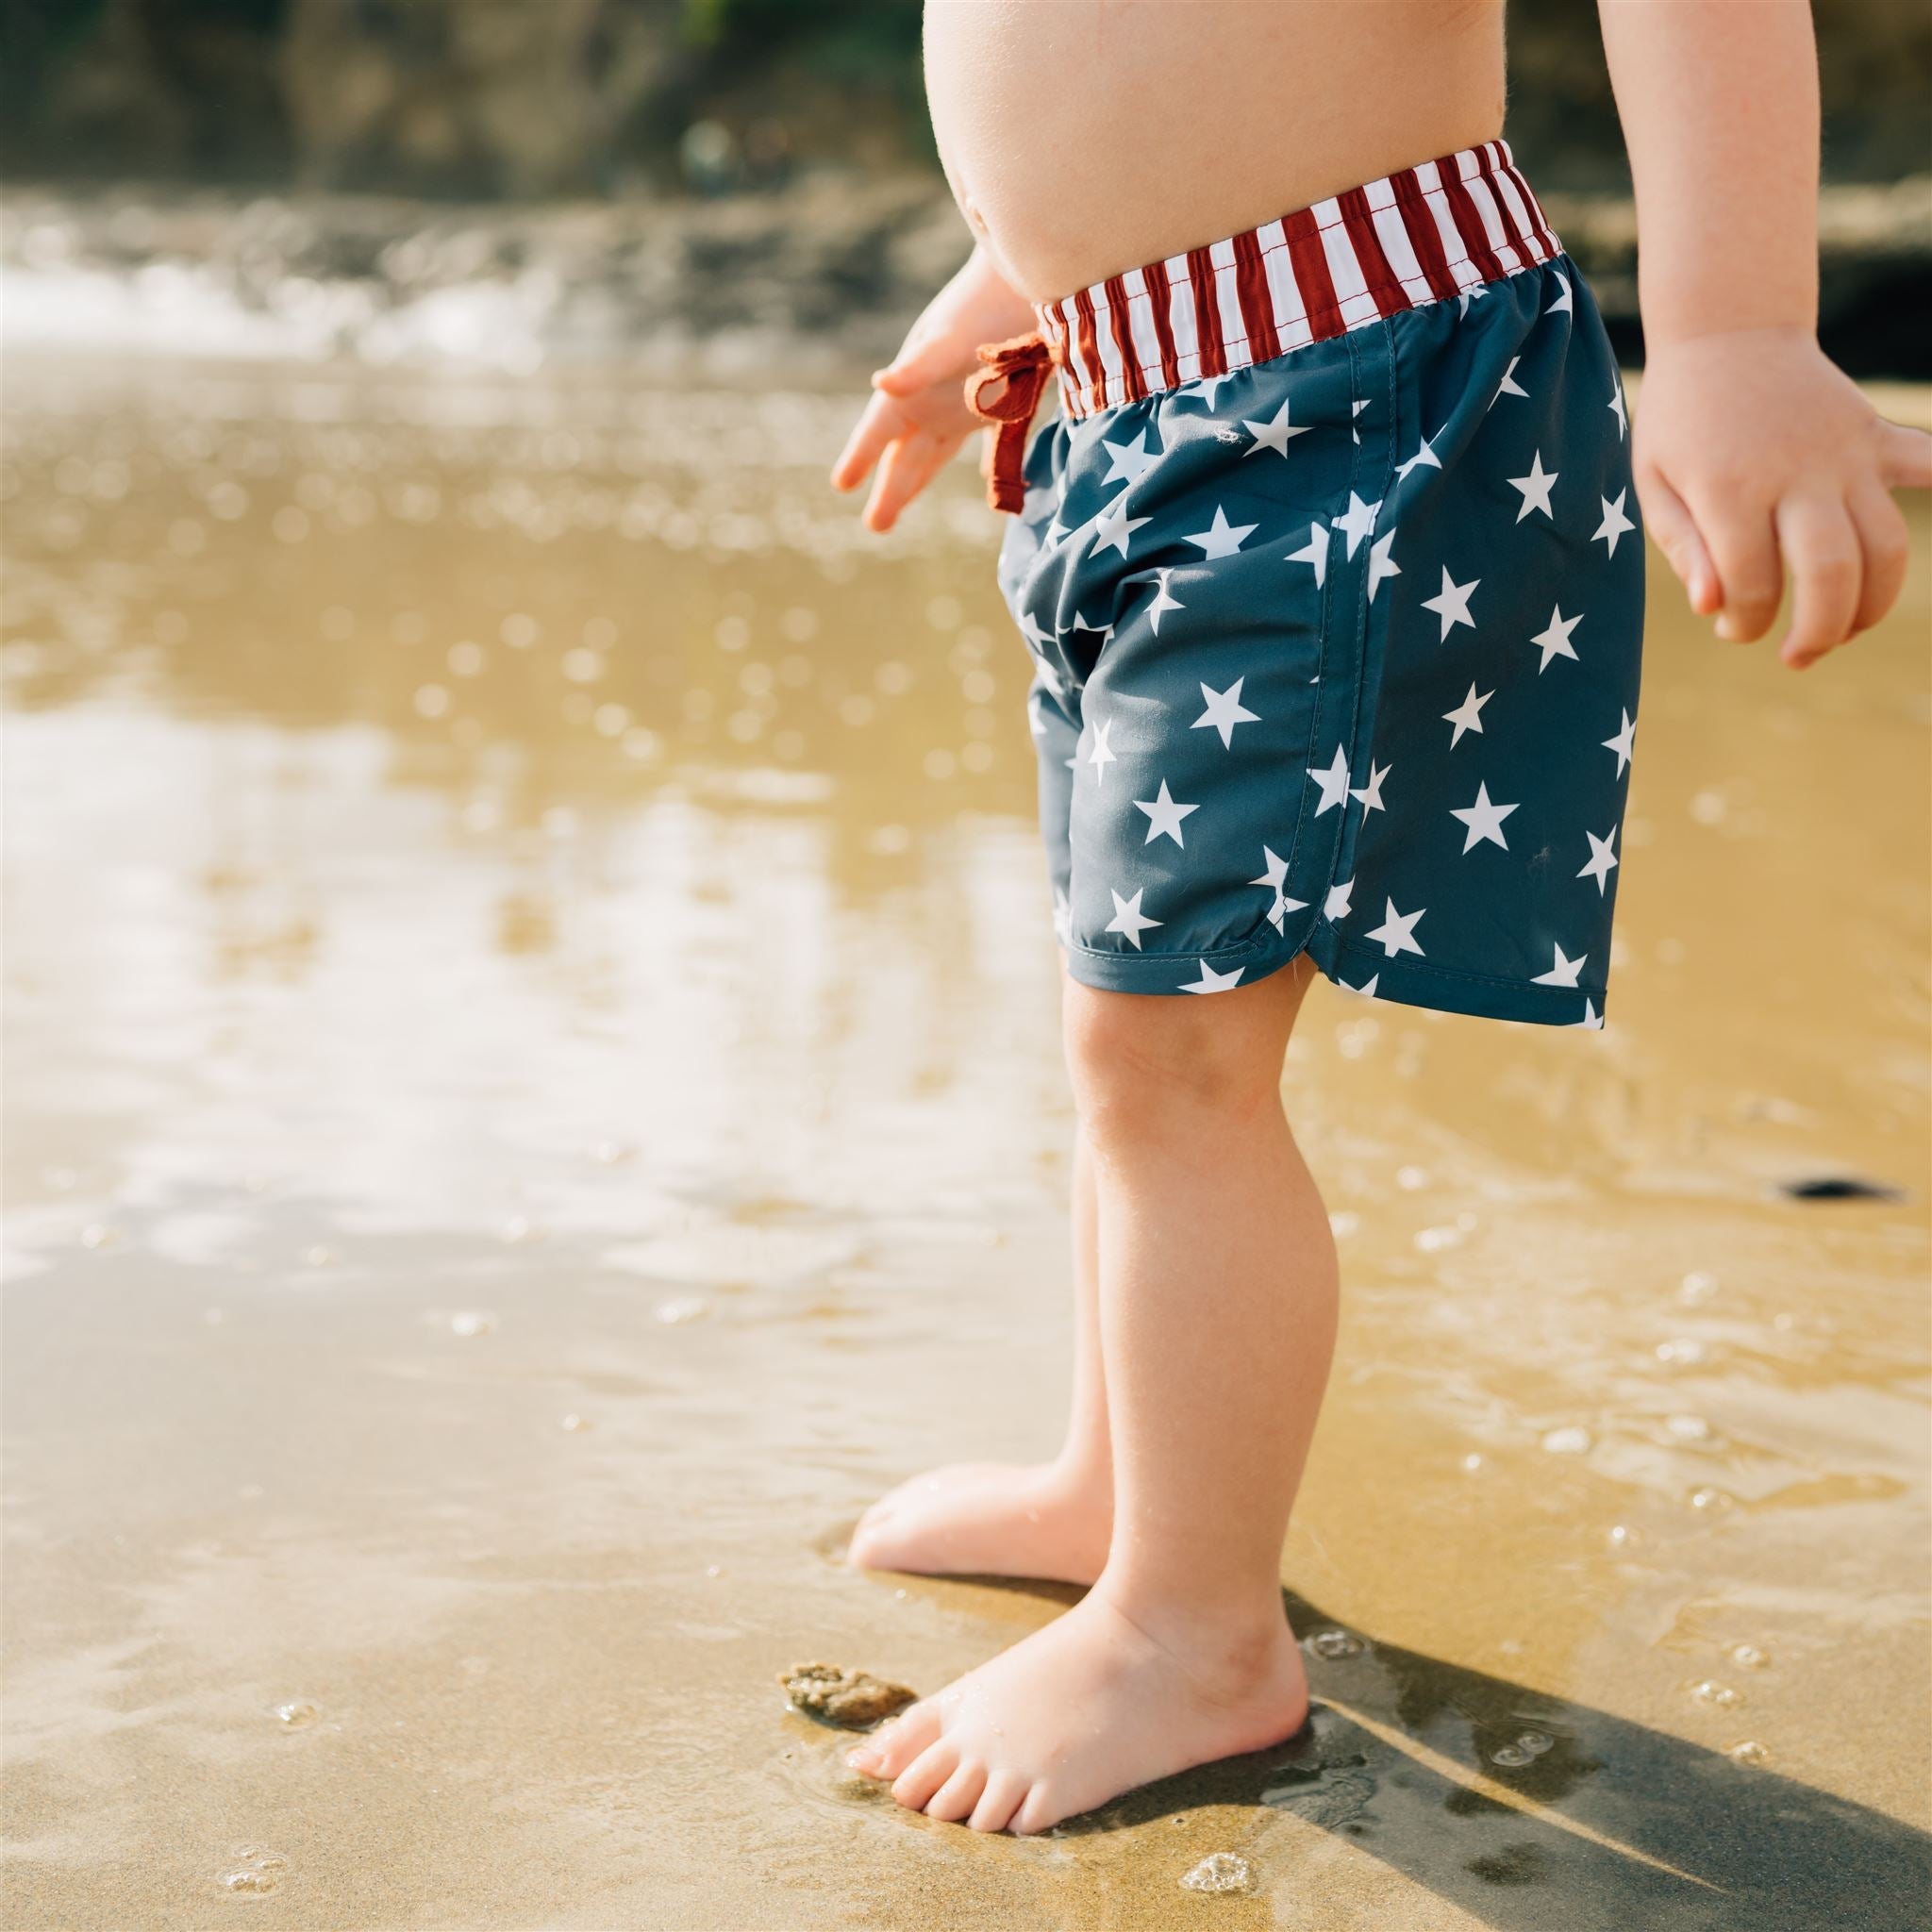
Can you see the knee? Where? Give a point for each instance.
(1147, 1066)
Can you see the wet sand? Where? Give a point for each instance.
(532, 1093)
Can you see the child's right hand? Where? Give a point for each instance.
(918, 418)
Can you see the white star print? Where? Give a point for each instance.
(1045, 678)
(1053, 535)
(1030, 629)
(1563, 305)
(1452, 603)
(1314, 551)
(1564, 972)
(1484, 820)
(1113, 526)
(1274, 876)
(1602, 859)
(1333, 783)
(1424, 458)
(1467, 716)
(1206, 388)
(1591, 1018)
(1334, 908)
(1535, 487)
(1367, 989)
(1616, 408)
(1508, 386)
(1555, 638)
(1128, 919)
(1128, 461)
(1625, 743)
(1614, 524)
(1468, 295)
(1212, 981)
(1273, 435)
(1101, 754)
(1226, 710)
(1371, 793)
(1164, 816)
(1357, 521)
(1220, 539)
(1381, 564)
(1397, 931)
(1164, 599)
(1101, 631)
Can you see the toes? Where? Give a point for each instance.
(893, 1748)
(1039, 1811)
(958, 1794)
(1003, 1795)
(915, 1785)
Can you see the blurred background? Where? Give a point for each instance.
(532, 1085)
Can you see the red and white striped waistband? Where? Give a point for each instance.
(1412, 238)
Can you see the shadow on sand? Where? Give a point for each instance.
(1608, 1826)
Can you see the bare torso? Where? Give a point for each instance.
(1086, 137)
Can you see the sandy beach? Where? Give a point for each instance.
(533, 1094)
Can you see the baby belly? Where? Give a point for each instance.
(1086, 137)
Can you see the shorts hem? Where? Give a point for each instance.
(1415, 983)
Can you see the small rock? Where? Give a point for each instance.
(853, 1698)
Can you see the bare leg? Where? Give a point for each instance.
(1004, 1519)
(1217, 1320)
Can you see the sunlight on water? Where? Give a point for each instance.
(534, 1093)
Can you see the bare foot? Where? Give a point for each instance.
(1093, 1705)
(989, 1519)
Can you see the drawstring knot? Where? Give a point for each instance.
(1005, 393)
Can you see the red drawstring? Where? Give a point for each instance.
(1006, 393)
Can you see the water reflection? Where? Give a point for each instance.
(534, 1090)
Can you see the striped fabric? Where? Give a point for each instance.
(1412, 238)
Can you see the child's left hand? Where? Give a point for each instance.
(1754, 455)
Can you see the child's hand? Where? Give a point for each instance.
(918, 415)
(1754, 454)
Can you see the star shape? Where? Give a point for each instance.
(1273, 435)
(1045, 678)
(1424, 458)
(1212, 981)
(1535, 488)
(1225, 711)
(1467, 716)
(1614, 524)
(1625, 743)
(1451, 604)
(1484, 820)
(1333, 783)
(1357, 521)
(1555, 638)
(1563, 305)
(1207, 389)
(1102, 753)
(1615, 406)
(1113, 526)
(1274, 876)
(1381, 564)
(1468, 295)
(1591, 1018)
(1053, 535)
(1602, 860)
(1508, 386)
(1314, 551)
(1031, 630)
(1164, 816)
(1564, 972)
(1371, 793)
(1335, 907)
(1220, 539)
(1367, 989)
(1100, 631)
(1397, 931)
(1128, 919)
(1163, 599)
(1127, 462)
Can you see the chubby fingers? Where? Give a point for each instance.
(882, 422)
(911, 463)
(1827, 561)
(1675, 532)
(1905, 458)
(1741, 540)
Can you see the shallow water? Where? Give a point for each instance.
(533, 1093)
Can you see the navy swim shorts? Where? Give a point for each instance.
(1331, 570)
